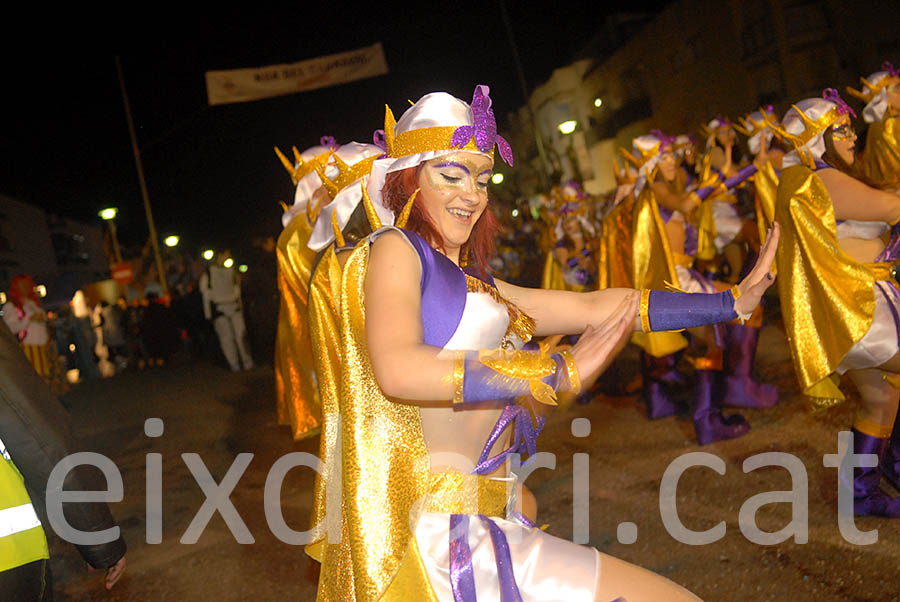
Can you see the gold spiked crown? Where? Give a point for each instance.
(301, 168)
(422, 140)
(812, 128)
(347, 174)
(868, 91)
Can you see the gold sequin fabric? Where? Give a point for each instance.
(616, 246)
(765, 185)
(881, 160)
(384, 464)
(653, 266)
(827, 298)
(513, 366)
(297, 399)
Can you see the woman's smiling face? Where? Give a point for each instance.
(453, 191)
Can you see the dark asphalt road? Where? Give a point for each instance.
(218, 415)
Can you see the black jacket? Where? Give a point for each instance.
(34, 426)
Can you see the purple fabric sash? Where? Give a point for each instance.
(461, 572)
(462, 578)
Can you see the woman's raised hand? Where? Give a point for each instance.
(598, 345)
(760, 277)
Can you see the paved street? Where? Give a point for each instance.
(218, 415)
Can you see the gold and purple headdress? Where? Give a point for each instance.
(438, 124)
(873, 92)
(805, 123)
(754, 127)
(305, 173)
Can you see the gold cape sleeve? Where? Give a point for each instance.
(765, 185)
(827, 298)
(384, 470)
(881, 161)
(297, 399)
(653, 267)
(616, 246)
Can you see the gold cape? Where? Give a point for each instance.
(383, 462)
(881, 160)
(765, 185)
(297, 398)
(827, 298)
(616, 246)
(653, 267)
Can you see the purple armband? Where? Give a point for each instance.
(503, 375)
(664, 310)
(741, 176)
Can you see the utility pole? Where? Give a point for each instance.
(140, 169)
(536, 132)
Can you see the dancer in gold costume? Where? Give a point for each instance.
(431, 366)
(838, 298)
(880, 159)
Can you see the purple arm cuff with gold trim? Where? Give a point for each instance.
(665, 310)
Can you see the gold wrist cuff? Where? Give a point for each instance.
(459, 371)
(645, 310)
(574, 378)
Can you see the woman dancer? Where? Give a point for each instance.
(839, 301)
(880, 159)
(431, 367)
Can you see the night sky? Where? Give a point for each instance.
(211, 172)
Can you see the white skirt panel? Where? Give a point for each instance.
(880, 343)
(547, 568)
(728, 223)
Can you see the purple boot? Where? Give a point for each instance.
(654, 371)
(741, 389)
(709, 422)
(868, 498)
(890, 463)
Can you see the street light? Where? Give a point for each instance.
(208, 254)
(497, 178)
(228, 262)
(598, 102)
(109, 215)
(567, 127)
(41, 290)
(515, 213)
(171, 241)
(243, 268)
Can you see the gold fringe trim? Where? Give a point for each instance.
(520, 323)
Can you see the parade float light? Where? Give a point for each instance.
(598, 102)
(108, 213)
(228, 262)
(208, 254)
(567, 127)
(41, 290)
(243, 268)
(171, 241)
(515, 213)
(497, 178)
(72, 347)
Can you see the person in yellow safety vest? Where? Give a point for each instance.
(34, 438)
(22, 538)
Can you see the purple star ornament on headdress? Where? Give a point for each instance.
(665, 142)
(842, 107)
(889, 67)
(485, 128)
(330, 142)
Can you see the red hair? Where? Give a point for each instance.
(15, 294)
(481, 247)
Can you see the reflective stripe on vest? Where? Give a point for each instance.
(22, 538)
(18, 519)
